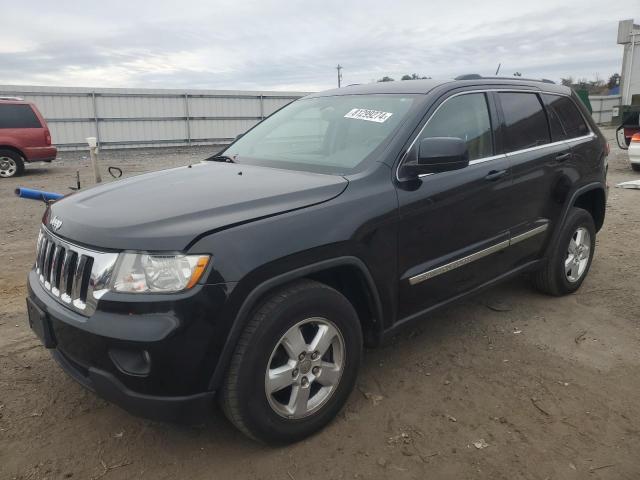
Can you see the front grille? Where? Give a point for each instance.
(75, 276)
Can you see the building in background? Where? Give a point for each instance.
(136, 117)
(629, 36)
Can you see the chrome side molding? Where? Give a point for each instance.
(421, 277)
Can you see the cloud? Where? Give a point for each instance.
(296, 45)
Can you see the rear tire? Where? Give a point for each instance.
(635, 167)
(295, 364)
(567, 266)
(11, 164)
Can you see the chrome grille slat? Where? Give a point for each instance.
(76, 288)
(73, 275)
(43, 249)
(38, 250)
(47, 264)
(64, 272)
(55, 269)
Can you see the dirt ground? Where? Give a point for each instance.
(508, 385)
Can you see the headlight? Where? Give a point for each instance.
(141, 272)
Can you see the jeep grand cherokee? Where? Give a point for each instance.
(255, 278)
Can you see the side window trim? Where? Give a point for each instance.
(499, 124)
(492, 122)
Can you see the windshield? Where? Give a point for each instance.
(323, 134)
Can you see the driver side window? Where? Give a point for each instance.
(467, 117)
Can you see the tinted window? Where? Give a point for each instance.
(525, 121)
(18, 116)
(568, 115)
(465, 117)
(557, 130)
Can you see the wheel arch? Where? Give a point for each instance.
(13, 149)
(593, 201)
(347, 274)
(592, 195)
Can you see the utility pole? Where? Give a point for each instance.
(339, 67)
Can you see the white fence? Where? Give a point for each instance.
(123, 118)
(602, 106)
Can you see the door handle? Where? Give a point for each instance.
(494, 175)
(562, 157)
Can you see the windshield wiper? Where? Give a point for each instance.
(221, 158)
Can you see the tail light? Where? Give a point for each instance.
(47, 137)
(607, 149)
(635, 138)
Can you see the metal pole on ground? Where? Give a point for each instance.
(93, 152)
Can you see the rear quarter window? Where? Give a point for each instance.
(18, 116)
(525, 121)
(567, 114)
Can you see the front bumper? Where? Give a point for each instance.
(176, 338)
(182, 409)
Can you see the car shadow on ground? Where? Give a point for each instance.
(436, 335)
(34, 172)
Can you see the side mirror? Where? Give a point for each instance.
(438, 154)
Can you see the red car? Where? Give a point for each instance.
(24, 136)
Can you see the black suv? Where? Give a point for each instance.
(256, 277)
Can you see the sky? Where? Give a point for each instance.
(296, 45)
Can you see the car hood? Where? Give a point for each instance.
(168, 209)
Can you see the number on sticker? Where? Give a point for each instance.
(368, 115)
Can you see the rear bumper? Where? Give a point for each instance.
(40, 154)
(182, 409)
(634, 152)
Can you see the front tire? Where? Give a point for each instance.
(567, 267)
(11, 164)
(295, 364)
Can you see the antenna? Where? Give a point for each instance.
(499, 65)
(339, 68)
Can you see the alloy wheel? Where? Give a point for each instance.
(578, 252)
(8, 167)
(305, 368)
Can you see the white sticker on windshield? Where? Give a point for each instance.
(368, 115)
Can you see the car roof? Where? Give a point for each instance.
(425, 86)
(4, 99)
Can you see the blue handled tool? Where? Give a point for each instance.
(37, 194)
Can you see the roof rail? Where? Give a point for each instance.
(475, 76)
(19, 99)
(468, 76)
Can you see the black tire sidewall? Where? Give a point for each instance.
(258, 416)
(577, 218)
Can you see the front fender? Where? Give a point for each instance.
(257, 292)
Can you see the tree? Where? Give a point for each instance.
(614, 80)
(414, 76)
(567, 82)
(385, 79)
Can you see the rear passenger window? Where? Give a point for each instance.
(567, 114)
(557, 130)
(466, 117)
(18, 116)
(525, 121)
